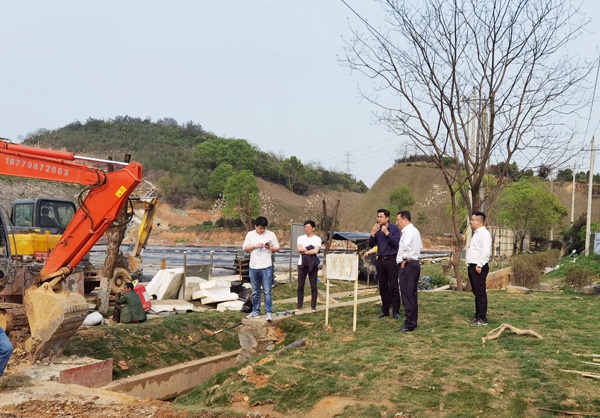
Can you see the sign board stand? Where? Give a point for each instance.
(342, 267)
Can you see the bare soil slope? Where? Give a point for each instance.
(427, 186)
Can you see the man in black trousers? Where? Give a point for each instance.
(409, 269)
(386, 236)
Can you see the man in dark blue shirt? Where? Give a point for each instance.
(387, 238)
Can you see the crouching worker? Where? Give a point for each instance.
(128, 308)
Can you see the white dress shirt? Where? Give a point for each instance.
(260, 258)
(410, 244)
(480, 250)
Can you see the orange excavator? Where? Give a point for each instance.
(53, 313)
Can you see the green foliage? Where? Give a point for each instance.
(401, 198)
(594, 226)
(235, 195)
(292, 171)
(176, 187)
(236, 152)
(530, 209)
(565, 175)
(183, 155)
(422, 218)
(218, 179)
(438, 280)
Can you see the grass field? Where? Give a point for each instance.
(441, 369)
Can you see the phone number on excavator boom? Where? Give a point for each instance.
(46, 168)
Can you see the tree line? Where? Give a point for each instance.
(188, 160)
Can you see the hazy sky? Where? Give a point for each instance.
(263, 70)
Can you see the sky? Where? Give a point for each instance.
(266, 71)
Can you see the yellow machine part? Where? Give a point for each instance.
(53, 317)
(30, 244)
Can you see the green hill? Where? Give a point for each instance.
(181, 158)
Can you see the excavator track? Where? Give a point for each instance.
(53, 316)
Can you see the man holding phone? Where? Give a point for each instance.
(261, 243)
(386, 237)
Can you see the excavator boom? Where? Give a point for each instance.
(55, 315)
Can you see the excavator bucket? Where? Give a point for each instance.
(53, 316)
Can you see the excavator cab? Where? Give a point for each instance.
(51, 215)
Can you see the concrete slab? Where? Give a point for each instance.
(171, 305)
(191, 285)
(232, 305)
(215, 284)
(215, 298)
(92, 375)
(166, 284)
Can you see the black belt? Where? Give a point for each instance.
(386, 257)
(409, 261)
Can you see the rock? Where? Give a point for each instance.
(518, 289)
(546, 287)
(591, 290)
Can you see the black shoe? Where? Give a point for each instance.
(404, 329)
(397, 316)
(381, 315)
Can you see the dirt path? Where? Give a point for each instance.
(24, 397)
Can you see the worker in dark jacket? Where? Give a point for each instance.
(128, 308)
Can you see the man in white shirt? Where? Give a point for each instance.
(308, 264)
(261, 243)
(478, 255)
(409, 269)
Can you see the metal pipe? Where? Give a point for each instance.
(99, 160)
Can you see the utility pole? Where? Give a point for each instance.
(573, 197)
(588, 224)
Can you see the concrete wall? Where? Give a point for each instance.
(173, 381)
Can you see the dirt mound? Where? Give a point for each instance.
(29, 398)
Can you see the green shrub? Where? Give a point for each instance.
(207, 223)
(526, 271)
(578, 277)
(438, 280)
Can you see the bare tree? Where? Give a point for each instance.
(476, 82)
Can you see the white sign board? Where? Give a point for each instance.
(342, 267)
(597, 243)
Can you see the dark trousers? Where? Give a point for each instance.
(117, 313)
(409, 280)
(312, 278)
(479, 290)
(387, 276)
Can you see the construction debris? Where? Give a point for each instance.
(496, 332)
